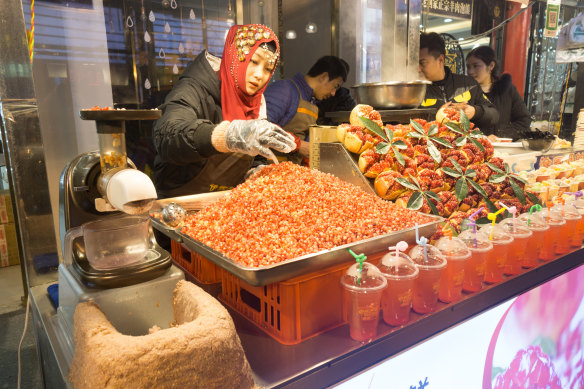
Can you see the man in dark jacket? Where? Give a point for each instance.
(459, 91)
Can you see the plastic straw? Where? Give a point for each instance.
(493, 218)
(448, 232)
(473, 223)
(512, 211)
(535, 207)
(422, 242)
(360, 259)
(576, 194)
(400, 246)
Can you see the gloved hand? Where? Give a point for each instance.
(257, 136)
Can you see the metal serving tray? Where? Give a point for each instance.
(289, 268)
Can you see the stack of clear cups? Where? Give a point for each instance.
(521, 235)
(555, 222)
(430, 263)
(474, 271)
(537, 223)
(396, 302)
(572, 217)
(362, 289)
(497, 257)
(456, 253)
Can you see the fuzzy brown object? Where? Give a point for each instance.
(201, 351)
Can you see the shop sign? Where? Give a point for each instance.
(457, 8)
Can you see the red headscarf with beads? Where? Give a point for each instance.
(241, 43)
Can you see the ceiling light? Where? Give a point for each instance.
(460, 39)
(447, 20)
(311, 28)
(421, 26)
(290, 34)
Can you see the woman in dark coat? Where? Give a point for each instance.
(514, 117)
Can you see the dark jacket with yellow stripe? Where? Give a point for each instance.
(459, 88)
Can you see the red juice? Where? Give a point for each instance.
(396, 301)
(426, 287)
(451, 279)
(496, 262)
(516, 254)
(567, 232)
(364, 315)
(549, 242)
(474, 271)
(534, 246)
(579, 235)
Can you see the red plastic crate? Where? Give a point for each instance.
(290, 311)
(203, 270)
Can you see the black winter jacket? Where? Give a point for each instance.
(459, 88)
(514, 117)
(182, 136)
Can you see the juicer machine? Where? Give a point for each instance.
(103, 186)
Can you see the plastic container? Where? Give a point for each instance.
(427, 285)
(497, 257)
(456, 253)
(579, 236)
(536, 222)
(474, 271)
(521, 235)
(362, 291)
(203, 270)
(400, 273)
(555, 222)
(290, 311)
(112, 242)
(572, 217)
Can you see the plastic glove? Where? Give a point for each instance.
(257, 136)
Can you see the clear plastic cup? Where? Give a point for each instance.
(521, 235)
(578, 238)
(474, 271)
(396, 301)
(427, 285)
(572, 217)
(555, 222)
(362, 293)
(537, 223)
(456, 253)
(497, 257)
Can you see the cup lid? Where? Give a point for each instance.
(553, 215)
(400, 267)
(369, 279)
(435, 257)
(568, 211)
(535, 221)
(478, 242)
(453, 247)
(500, 236)
(517, 228)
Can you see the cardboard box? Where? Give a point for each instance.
(6, 212)
(8, 245)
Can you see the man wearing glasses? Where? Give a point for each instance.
(291, 103)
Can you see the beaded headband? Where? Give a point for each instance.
(247, 36)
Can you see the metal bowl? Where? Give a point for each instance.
(392, 94)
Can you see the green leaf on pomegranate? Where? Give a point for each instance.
(398, 156)
(413, 134)
(441, 141)
(464, 122)
(416, 201)
(434, 153)
(451, 172)
(533, 198)
(460, 141)
(494, 168)
(498, 178)
(432, 206)
(382, 148)
(479, 189)
(477, 144)
(518, 191)
(432, 195)
(433, 130)
(471, 173)
(389, 134)
(374, 127)
(400, 144)
(406, 183)
(461, 189)
(456, 165)
(517, 178)
(417, 127)
(454, 127)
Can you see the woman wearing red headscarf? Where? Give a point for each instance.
(214, 119)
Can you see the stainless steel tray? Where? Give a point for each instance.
(291, 267)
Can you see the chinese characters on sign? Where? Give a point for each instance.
(456, 8)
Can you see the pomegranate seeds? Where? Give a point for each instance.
(286, 211)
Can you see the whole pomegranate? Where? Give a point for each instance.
(530, 368)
